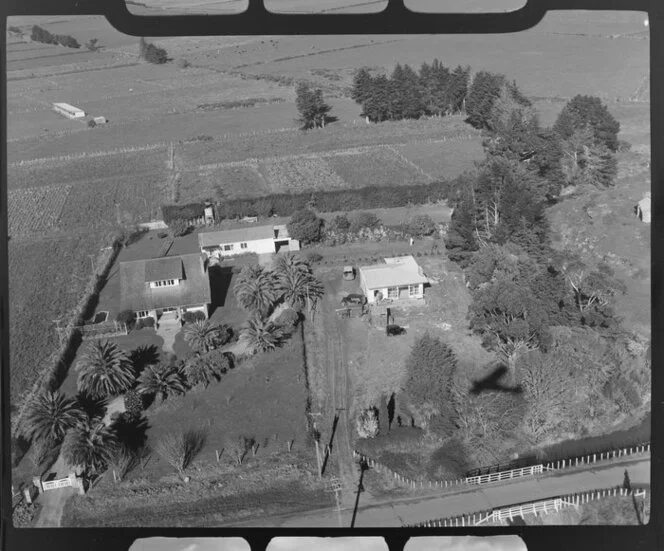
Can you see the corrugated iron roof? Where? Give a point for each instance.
(240, 235)
(395, 272)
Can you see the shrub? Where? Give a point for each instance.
(182, 63)
(151, 53)
(139, 324)
(126, 316)
(367, 423)
(421, 224)
(305, 226)
(179, 227)
(19, 447)
(340, 223)
(41, 35)
(148, 322)
(178, 450)
(190, 317)
(287, 319)
(133, 403)
(92, 44)
(67, 41)
(364, 220)
(15, 30)
(313, 257)
(91, 123)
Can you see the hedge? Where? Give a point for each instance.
(185, 212)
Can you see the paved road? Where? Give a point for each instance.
(412, 510)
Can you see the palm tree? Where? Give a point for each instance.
(162, 380)
(298, 288)
(90, 446)
(288, 262)
(203, 335)
(206, 368)
(104, 370)
(50, 416)
(255, 289)
(261, 335)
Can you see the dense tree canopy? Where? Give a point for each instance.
(492, 100)
(314, 112)
(407, 94)
(305, 226)
(588, 112)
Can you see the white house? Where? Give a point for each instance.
(68, 111)
(259, 240)
(398, 278)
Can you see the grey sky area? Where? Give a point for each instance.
(190, 544)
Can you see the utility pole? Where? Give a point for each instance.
(59, 331)
(336, 486)
(316, 441)
(92, 262)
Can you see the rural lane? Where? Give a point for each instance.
(412, 510)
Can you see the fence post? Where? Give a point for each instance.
(577, 462)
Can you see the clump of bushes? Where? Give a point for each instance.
(126, 316)
(182, 63)
(367, 423)
(287, 320)
(191, 317)
(151, 53)
(313, 257)
(39, 34)
(179, 227)
(420, 225)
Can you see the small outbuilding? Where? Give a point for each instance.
(68, 111)
(397, 279)
(642, 208)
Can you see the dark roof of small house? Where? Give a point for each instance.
(159, 269)
(194, 287)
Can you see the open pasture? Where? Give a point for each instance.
(443, 160)
(46, 280)
(35, 210)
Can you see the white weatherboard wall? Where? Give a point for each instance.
(258, 246)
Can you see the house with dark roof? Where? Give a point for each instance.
(258, 239)
(396, 279)
(164, 288)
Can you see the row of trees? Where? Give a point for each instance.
(39, 34)
(405, 94)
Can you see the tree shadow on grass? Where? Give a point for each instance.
(131, 431)
(143, 356)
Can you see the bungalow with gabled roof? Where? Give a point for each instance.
(259, 240)
(396, 279)
(167, 287)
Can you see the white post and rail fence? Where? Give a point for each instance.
(547, 506)
(493, 474)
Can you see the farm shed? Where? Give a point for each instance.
(164, 288)
(259, 240)
(397, 279)
(100, 120)
(68, 111)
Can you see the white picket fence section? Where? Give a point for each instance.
(55, 484)
(603, 456)
(505, 475)
(533, 508)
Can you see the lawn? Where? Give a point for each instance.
(265, 398)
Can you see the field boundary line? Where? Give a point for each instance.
(84, 155)
(410, 163)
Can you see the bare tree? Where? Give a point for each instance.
(178, 450)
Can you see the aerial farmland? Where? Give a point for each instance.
(220, 122)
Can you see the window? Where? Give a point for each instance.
(228, 247)
(243, 245)
(142, 314)
(165, 283)
(393, 292)
(413, 290)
